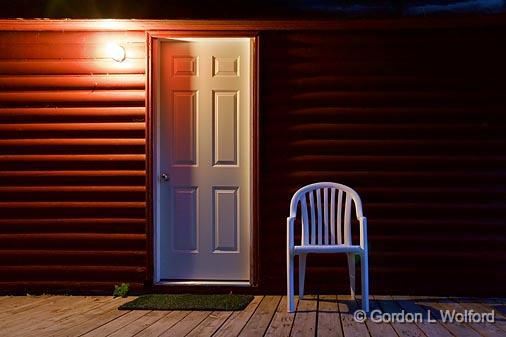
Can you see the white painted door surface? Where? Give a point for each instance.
(204, 149)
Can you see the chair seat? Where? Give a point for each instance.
(327, 249)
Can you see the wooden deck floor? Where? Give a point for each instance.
(322, 315)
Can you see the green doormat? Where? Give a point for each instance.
(188, 302)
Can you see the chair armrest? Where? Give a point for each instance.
(290, 234)
(363, 233)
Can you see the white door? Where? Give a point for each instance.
(204, 104)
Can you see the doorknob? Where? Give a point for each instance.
(164, 177)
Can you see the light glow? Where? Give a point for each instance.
(115, 51)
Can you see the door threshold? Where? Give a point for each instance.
(204, 283)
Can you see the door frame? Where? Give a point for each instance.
(152, 239)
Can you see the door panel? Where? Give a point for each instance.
(225, 127)
(184, 236)
(225, 220)
(204, 149)
(184, 129)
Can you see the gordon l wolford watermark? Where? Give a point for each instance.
(445, 316)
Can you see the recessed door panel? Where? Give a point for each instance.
(225, 220)
(185, 65)
(225, 126)
(184, 132)
(184, 219)
(226, 66)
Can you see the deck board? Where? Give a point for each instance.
(211, 324)
(41, 316)
(163, 324)
(304, 323)
(138, 325)
(94, 320)
(497, 305)
(236, 322)
(21, 311)
(316, 315)
(187, 324)
(388, 305)
(282, 322)
(261, 318)
(430, 329)
(379, 329)
(457, 329)
(116, 324)
(14, 304)
(351, 328)
(484, 329)
(479, 306)
(69, 317)
(329, 320)
(76, 318)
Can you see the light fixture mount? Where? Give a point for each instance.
(116, 52)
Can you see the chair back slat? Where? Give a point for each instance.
(340, 218)
(313, 218)
(319, 215)
(326, 216)
(347, 220)
(328, 220)
(332, 216)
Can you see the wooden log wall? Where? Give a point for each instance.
(414, 120)
(72, 161)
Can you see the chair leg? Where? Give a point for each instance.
(289, 280)
(351, 272)
(302, 274)
(364, 266)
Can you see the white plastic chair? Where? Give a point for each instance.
(326, 229)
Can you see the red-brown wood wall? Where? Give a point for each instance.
(414, 121)
(72, 161)
(412, 118)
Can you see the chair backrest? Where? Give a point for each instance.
(323, 220)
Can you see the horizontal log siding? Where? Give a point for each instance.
(72, 161)
(414, 120)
